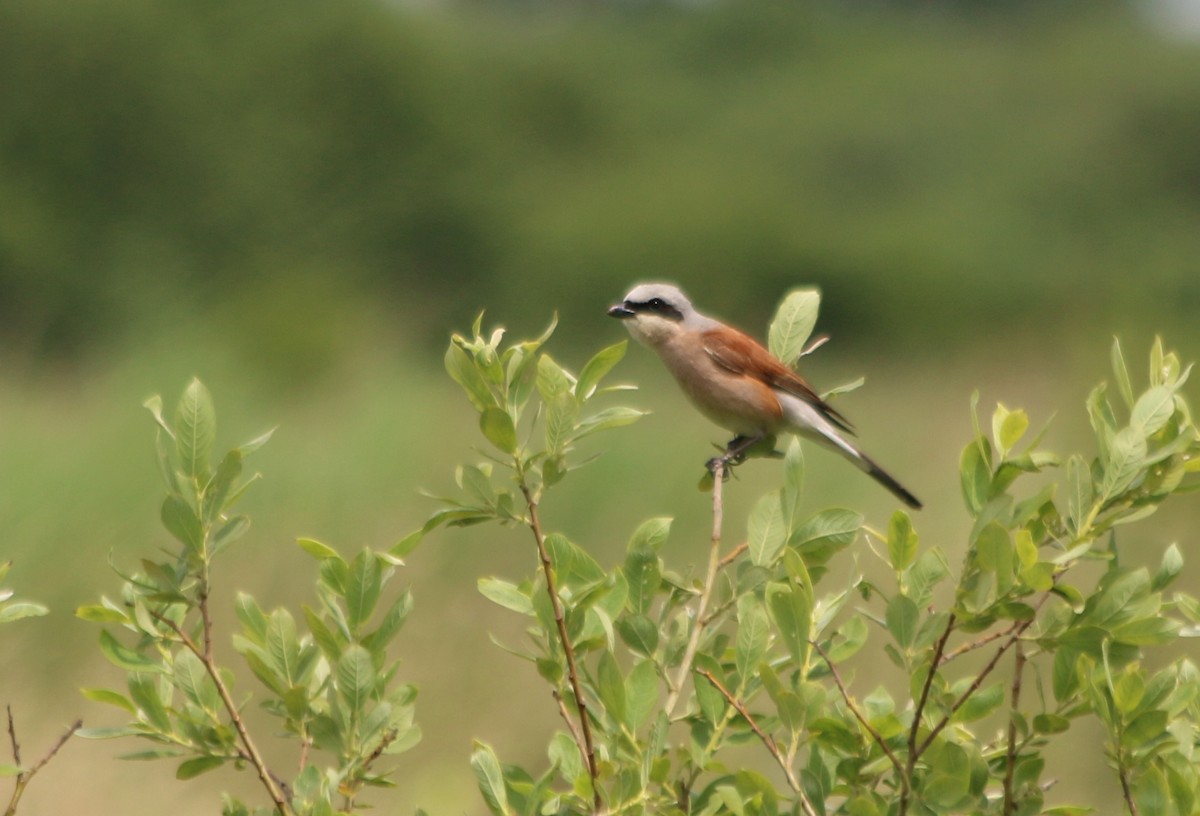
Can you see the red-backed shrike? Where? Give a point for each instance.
(736, 382)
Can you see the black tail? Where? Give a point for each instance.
(884, 478)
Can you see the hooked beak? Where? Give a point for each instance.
(621, 312)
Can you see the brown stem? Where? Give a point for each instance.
(862, 720)
(710, 578)
(978, 643)
(1010, 801)
(25, 777)
(767, 739)
(733, 554)
(205, 653)
(1128, 793)
(914, 731)
(571, 727)
(975, 684)
(589, 750)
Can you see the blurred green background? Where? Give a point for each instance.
(298, 202)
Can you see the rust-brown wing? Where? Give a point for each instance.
(738, 352)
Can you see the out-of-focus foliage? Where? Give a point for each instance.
(320, 155)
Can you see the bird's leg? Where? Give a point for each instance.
(735, 453)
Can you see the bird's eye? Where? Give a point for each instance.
(656, 304)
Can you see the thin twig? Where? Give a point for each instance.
(205, 653)
(26, 776)
(710, 578)
(589, 750)
(1125, 790)
(12, 735)
(975, 684)
(733, 554)
(858, 715)
(571, 727)
(914, 731)
(978, 643)
(1010, 800)
(766, 738)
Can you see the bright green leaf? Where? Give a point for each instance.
(195, 430)
(793, 323)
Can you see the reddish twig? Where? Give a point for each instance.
(26, 776)
(1010, 801)
(858, 715)
(767, 739)
(589, 750)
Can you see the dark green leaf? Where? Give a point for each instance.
(826, 533)
(124, 657)
(903, 617)
(791, 609)
(976, 476)
(752, 635)
(191, 768)
(641, 694)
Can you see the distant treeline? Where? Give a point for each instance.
(289, 159)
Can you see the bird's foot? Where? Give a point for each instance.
(735, 454)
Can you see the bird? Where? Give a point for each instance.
(737, 383)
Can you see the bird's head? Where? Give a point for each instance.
(654, 312)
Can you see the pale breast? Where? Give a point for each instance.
(739, 403)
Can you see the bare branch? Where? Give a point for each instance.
(1010, 801)
(767, 739)
(858, 715)
(710, 578)
(26, 776)
(589, 750)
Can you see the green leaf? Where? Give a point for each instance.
(595, 368)
(611, 686)
(143, 690)
(616, 417)
(109, 697)
(639, 633)
(1168, 569)
(318, 550)
(1125, 460)
(766, 531)
(903, 618)
(21, 609)
(1008, 427)
(490, 779)
(949, 778)
(793, 323)
(825, 533)
(283, 646)
(192, 679)
(154, 405)
(195, 430)
(902, 541)
(254, 622)
(463, 371)
(976, 476)
(181, 521)
(996, 554)
(1121, 373)
(505, 594)
(752, 635)
(650, 534)
(1153, 409)
(641, 694)
(218, 487)
(790, 497)
(247, 448)
(355, 678)
(124, 657)
(791, 609)
(363, 586)
(498, 427)
(191, 768)
(1050, 723)
(980, 704)
(643, 575)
